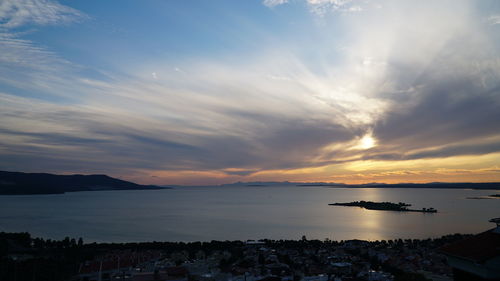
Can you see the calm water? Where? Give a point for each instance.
(238, 213)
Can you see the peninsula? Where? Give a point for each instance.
(384, 206)
(16, 183)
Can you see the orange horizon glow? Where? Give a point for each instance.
(484, 168)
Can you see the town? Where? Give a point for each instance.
(24, 258)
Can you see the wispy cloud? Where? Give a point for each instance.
(15, 13)
(25, 64)
(495, 19)
(272, 3)
(25, 54)
(322, 7)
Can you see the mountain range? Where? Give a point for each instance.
(18, 183)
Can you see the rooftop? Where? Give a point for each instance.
(478, 248)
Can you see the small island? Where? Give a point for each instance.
(492, 196)
(384, 206)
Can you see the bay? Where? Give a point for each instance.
(244, 212)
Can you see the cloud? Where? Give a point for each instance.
(453, 87)
(449, 111)
(494, 19)
(15, 13)
(24, 54)
(38, 71)
(323, 7)
(26, 65)
(220, 119)
(239, 172)
(453, 150)
(177, 69)
(273, 3)
(474, 147)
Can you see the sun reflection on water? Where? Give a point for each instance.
(370, 220)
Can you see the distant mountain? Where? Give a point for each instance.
(449, 185)
(261, 183)
(16, 183)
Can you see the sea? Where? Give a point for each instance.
(246, 212)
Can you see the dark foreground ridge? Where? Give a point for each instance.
(23, 258)
(384, 206)
(16, 183)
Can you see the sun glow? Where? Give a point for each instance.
(367, 142)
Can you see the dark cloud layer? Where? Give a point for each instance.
(454, 111)
(274, 143)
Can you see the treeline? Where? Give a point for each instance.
(376, 205)
(35, 259)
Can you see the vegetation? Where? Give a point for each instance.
(385, 206)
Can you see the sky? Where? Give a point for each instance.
(211, 92)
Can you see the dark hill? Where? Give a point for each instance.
(12, 183)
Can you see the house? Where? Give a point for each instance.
(476, 258)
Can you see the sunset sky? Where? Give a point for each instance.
(219, 91)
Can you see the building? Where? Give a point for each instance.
(476, 258)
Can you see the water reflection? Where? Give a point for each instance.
(371, 194)
(372, 222)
